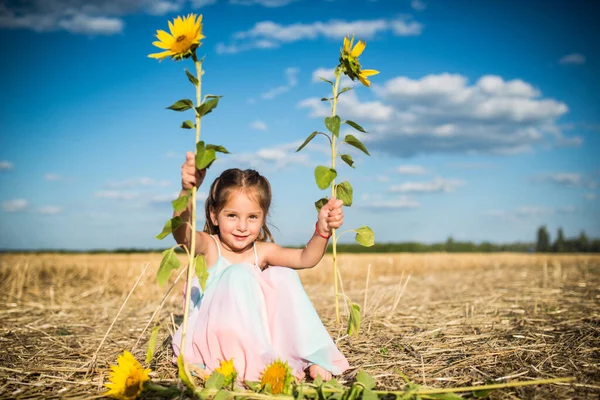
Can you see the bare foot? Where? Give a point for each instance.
(316, 370)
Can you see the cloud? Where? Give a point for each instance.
(5, 165)
(52, 177)
(264, 3)
(275, 157)
(435, 186)
(259, 125)
(471, 165)
(292, 80)
(444, 113)
(49, 210)
(15, 205)
(418, 5)
(329, 74)
(269, 34)
(566, 179)
(400, 203)
(137, 182)
(115, 194)
(572, 59)
(531, 212)
(411, 170)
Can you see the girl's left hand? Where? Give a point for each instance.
(331, 216)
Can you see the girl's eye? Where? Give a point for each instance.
(230, 215)
(254, 216)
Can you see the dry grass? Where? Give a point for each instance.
(444, 320)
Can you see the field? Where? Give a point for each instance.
(444, 320)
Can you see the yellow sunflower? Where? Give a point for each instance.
(127, 378)
(227, 369)
(350, 64)
(279, 375)
(183, 40)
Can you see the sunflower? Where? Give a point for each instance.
(349, 61)
(185, 37)
(279, 375)
(127, 378)
(227, 369)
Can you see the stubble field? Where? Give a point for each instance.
(444, 320)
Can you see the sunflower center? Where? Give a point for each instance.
(132, 387)
(182, 44)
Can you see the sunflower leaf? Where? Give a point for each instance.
(308, 139)
(347, 158)
(365, 379)
(152, 344)
(191, 77)
(181, 105)
(218, 148)
(320, 203)
(215, 381)
(343, 191)
(344, 90)
(180, 203)
(324, 176)
(333, 124)
(368, 394)
(365, 236)
(169, 227)
(205, 156)
(207, 106)
(201, 271)
(326, 98)
(326, 80)
(188, 125)
(223, 395)
(354, 320)
(169, 263)
(355, 126)
(354, 142)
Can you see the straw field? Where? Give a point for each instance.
(444, 320)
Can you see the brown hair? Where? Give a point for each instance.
(232, 180)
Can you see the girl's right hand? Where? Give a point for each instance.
(190, 175)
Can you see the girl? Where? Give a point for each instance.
(253, 310)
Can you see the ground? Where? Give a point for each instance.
(443, 320)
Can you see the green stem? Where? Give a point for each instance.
(192, 249)
(338, 75)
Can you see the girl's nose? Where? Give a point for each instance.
(241, 226)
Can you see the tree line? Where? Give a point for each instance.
(561, 244)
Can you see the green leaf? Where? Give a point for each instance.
(364, 378)
(352, 141)
(204, 156)
(442, 396)
(324, 176)
(254, 386)
(354, 320)
(180, 203)
(325, 80)
(365, 236)
(355, 126)
(169, 227)
(343, 191)
(152, 344)
(347, 158)
(191, 77)
(169, 263)
(218, 148)
(344, 90)
(181, 105)
(182, 371)
(223, 395)
(320, 203)
(368, 394)
(211, 96)
(201, 270)
(215, 381)
(308, 139)
(188, 125)
(481, 394)
(207, 107)
(318, 381)
(326, 98)
(333, 124)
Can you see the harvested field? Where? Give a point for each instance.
(444, 320)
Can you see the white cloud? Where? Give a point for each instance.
(434, 186)
(402, 202)
(115, 194)
(329, 74)
(89, 25)
(411, 170)
(5, 165)
(418, 5)
(138, 182)
(533, 211)
(573, 58)
(269, 34)
(292, 80)
(52, 177)
(470, 165)
(49, 210)
(561, 178)
(259, 125)
(15, 205)
(161, 7)
(264, 3)
(348, 104)
(274, 157)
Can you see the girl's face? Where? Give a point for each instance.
(239, 221)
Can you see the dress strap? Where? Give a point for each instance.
(218, 247)
(255, 256)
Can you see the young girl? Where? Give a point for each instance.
(253, 310)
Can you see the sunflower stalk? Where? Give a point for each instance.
(335, 88)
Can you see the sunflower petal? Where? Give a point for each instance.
(368, 72)
(162, 55)
(364, 81)
(358, 49)
(346, 45)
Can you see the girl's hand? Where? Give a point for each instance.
(331, 216)
(190, 175)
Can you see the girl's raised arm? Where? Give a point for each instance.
(331, 216)
(190, 177)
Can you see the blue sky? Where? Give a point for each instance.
(483, 124)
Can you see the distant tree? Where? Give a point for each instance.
(583, 244)
(559, 245)
(449, 247)
(543, 240)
